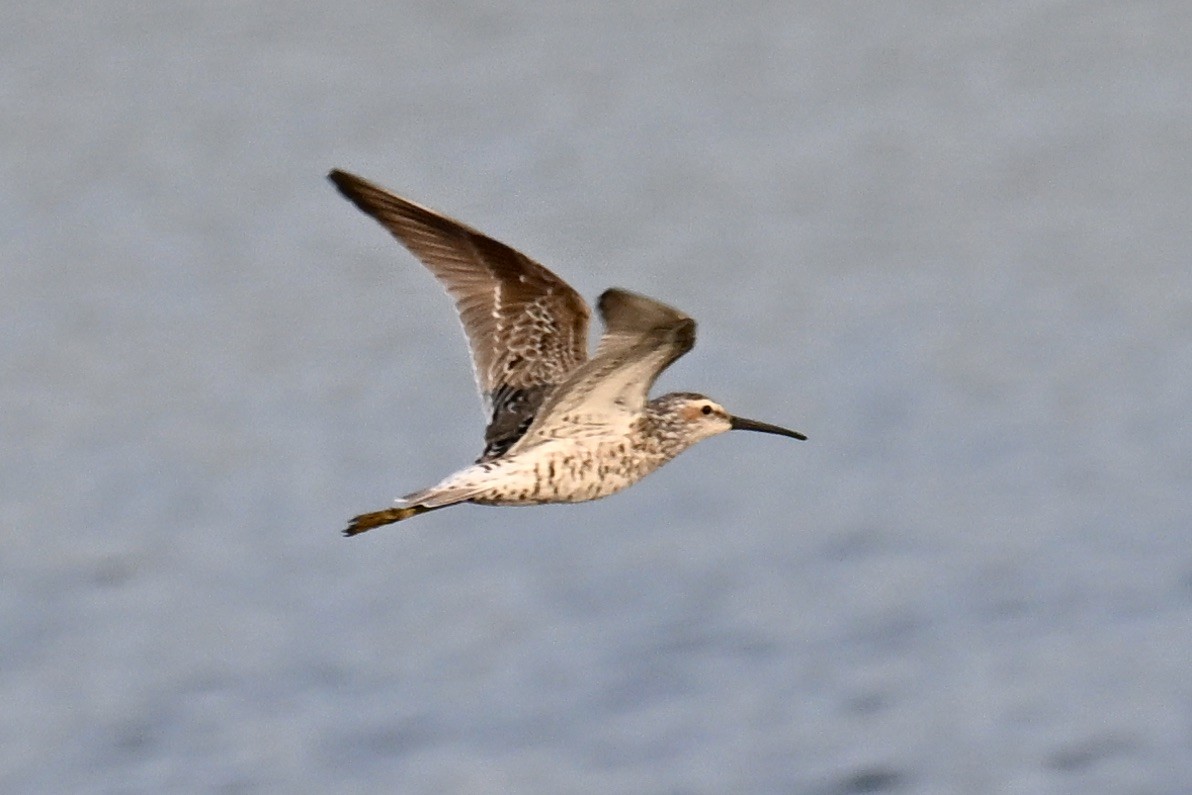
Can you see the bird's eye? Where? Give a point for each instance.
(706, 409)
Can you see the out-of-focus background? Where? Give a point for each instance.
(951, 244)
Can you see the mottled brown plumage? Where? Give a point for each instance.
(562, 427)
(526, 328)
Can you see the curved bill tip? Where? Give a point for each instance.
(742, 424)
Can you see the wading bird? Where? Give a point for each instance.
(562, 427)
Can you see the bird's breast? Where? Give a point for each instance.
(572, 470)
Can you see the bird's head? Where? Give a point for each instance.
(697, 417)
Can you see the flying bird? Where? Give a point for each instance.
(562, 427)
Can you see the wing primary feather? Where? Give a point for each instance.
(527, 329)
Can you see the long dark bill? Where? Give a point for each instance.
(742, 424)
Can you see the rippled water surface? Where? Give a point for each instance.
(950, 245)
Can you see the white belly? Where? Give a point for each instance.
(562, 472)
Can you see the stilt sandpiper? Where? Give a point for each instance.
(562, 427)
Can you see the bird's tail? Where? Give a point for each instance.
(367, 521)
(460, 487)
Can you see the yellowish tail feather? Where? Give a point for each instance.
(367, 521)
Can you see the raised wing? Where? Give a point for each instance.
(607, 393)
(527, 328)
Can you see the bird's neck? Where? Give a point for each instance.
(662, 431)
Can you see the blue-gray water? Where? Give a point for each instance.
(950, 242)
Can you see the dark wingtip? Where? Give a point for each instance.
(623, 310)
(366, 196)
(347, 184)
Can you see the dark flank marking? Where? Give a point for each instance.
(513, 411)
(367, 521)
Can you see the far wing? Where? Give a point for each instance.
(604, 395)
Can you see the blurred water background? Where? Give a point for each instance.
(948, 241)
